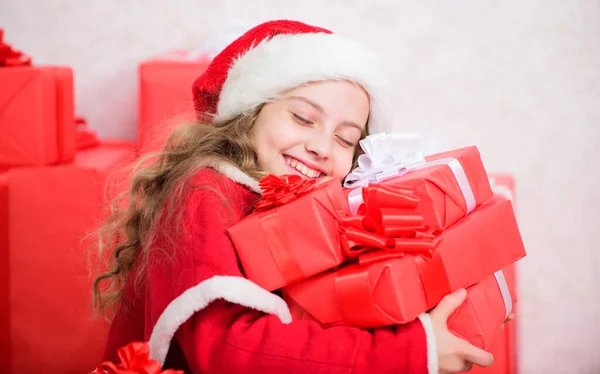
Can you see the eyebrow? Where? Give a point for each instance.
(318, 108)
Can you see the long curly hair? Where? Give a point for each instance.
(155, 192)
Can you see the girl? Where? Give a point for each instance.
(285, 98)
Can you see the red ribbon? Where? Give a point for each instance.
(134, 360)
(10, 56)
(389, 220)
(282, 190)
(388, 225)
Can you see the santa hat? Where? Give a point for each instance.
(280, 55)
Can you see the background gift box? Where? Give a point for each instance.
(37, 124)
(46, 213)
(165, 95)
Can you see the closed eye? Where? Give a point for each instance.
(345, 141)
(302, 120)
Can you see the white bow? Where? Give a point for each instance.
(386, 156)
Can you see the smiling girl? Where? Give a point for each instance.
(285, 98)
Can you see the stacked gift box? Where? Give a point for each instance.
(56, 177)
(504, 344)
(404, 232)
(53, 170)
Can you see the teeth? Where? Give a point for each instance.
(303, 168)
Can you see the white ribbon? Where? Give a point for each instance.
(386, 156)
(391, 155)
(508, 304)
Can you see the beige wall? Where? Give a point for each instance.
(521, 79)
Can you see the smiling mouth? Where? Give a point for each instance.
(302, 169)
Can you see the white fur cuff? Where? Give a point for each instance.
(432, 354)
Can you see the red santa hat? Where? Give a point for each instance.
(280, 55)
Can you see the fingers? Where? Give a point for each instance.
(467, 367)
(476, 355)
(510, 317)
(449, 304)
(456, 364)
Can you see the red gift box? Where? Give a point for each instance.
(165, 96)
(450, 185)
(503, 346)
(486, 307)
(386, 288)
(37, 125)
(293, 241)
(45, 213)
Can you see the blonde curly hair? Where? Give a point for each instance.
(158, 186)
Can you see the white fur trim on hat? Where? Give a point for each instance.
(236, 290)
(287, 61)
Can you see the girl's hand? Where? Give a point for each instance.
(454, 354)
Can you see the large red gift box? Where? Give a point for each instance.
(165, 95)
(280, 254)
(449, 185)
(380, 291)
(292, 241)
(45, 215)
(486, 307)
(37, 124)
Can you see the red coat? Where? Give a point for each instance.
(200, 309)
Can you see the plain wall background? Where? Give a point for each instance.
(520, 79)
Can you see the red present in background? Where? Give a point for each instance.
(292, 241)
(450, 185)
(45, 213)
(37, 125)
(504, 344)
(379, 291)
(165, 97)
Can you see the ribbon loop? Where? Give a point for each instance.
(282, 190)
(385, 156)
(387, 219)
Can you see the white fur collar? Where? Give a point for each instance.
(235, 174)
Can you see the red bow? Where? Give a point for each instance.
(389, 220)
(134, 360)
(282, 190)
(10, 56)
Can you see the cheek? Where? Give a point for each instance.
(280, 137)
(273, 138)
(343, 165)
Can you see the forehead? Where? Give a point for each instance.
(333, 98)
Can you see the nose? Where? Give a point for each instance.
(319, 146)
